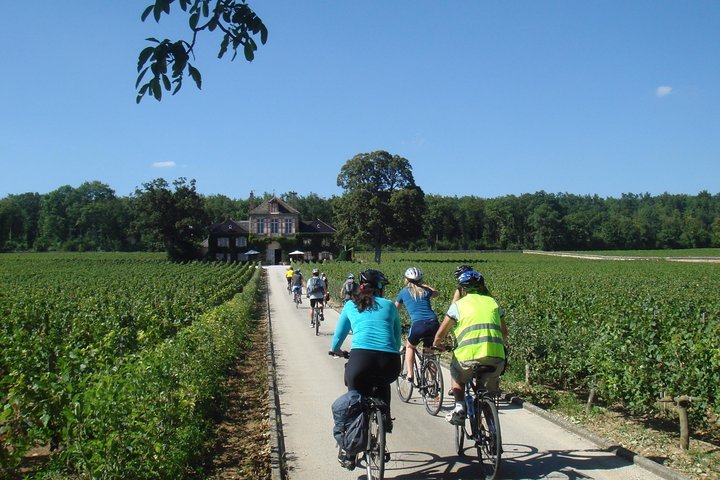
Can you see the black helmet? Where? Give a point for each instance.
(460, 269)
(471, 280)
(374, 278)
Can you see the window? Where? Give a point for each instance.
(241, 242)
(273, 207)
(260, 225)
(223, 242)
(289, 224)
(275, 226)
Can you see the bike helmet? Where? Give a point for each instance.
(373, 278)
(471, 280)
(351, 276)
(315, 271)
(460, 269)
(413, 274)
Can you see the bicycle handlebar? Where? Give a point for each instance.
(340, 354)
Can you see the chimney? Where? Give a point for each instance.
(252, 201)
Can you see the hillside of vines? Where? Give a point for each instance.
(114, 361)
(635, 331)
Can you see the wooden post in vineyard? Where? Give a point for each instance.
(683, 402)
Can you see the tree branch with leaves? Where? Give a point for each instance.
(167, 61)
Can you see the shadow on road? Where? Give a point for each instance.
(519, 462)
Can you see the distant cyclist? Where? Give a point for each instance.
(348, 288)
(481, 335)
(424, 322)
(315, 291)
(288, 275)
(296, 282)
(324, 278)
(459, 270)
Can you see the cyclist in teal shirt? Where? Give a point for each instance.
(375, 351)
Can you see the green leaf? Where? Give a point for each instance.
(145, 14)
(152, 39)
(166, 82)
(178, 84)
(249, 53)
(144, 56)
(140, 77)
(194, 18)
(195, 74)
(224, 45)
(156, 89)
(263, 34)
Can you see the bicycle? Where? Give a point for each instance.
(297, 296)
(317, 317)
(428, 378)
(376, 410)
(484, 424)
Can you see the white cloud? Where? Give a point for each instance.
(164, 164)
(663, 91)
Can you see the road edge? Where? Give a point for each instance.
(278, 463)
(643, 462)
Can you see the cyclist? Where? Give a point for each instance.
(424, 323)
(324, 278)
(375, 352)
(459, 270)
(481, 335)
(288, 275)
(315, 291)
(346, 292)
(296, 282)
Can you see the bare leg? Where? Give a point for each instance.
(409, 358)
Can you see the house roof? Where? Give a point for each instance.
(316, 226)
(264, 208)
(230, 227)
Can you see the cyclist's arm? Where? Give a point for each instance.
(341, 331)
(433, 292)
(397, 329)
(442, 333)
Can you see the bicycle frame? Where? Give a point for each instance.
(484, 423)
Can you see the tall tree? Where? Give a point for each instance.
(234, 19)
(175, 218)
(381, 202)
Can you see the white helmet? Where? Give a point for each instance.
(413, 274)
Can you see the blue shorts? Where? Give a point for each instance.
(423, 329)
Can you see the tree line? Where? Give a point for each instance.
(174, 217)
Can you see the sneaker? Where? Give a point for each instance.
(347, 461)
(456, 417)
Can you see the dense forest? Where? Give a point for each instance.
(92, 217)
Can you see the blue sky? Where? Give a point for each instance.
(483, 98)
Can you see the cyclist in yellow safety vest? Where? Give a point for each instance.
(288, 275)
(481, 335)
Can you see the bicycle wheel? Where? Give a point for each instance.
(433, 386)
(404, 387)
(375, 451)
(490, 444)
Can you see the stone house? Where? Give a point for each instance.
(273, 229)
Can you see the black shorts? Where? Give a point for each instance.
(314, 302)
(371, 368)
(423, 329)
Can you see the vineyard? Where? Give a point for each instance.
(114, 361)
(636, 332)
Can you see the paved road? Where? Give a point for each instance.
(421, 446)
